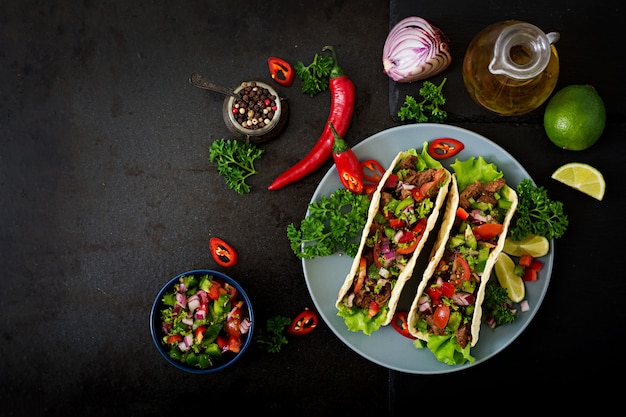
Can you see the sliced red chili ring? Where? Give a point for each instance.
(304, 323)
(281, 71)
(375, 168)
(400, 323)
(222, 252)
(445, 148)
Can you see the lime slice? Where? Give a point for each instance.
(581, 177)
(507, 278)
(533, 245)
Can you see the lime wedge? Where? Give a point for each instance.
(582, 177)
(533, 245)
(508, 279)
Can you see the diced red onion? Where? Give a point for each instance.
(245, 325)
(424, 304)
(415, 50)
(193, 302)
(188, 321)
(524, 306)
(181, 300)
(463, 298)
(383, 272)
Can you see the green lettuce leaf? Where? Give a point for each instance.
(473, 169)
(357, 319)
(447, 350)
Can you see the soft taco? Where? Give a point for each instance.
(446, 312)
(403, 211)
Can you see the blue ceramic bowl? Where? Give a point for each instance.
(158, 334)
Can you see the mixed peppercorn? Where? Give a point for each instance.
(256, 106)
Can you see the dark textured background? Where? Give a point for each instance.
(107, 192)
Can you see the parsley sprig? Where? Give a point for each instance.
(331, 224)
(496, 306)
(429, 109)
(235, 162)
(272, 337)
(537, 214)
(315, 76)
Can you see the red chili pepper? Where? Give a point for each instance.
(304, 323)
(222, 252)
(341, 109)
(348, 166)
(373, 166)
(281, 71)
(443, 148)
(399, 322)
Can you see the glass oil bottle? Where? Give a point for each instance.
(511, 67)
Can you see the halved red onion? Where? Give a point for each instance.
(415, 50)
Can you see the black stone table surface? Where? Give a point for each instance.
(108, 192)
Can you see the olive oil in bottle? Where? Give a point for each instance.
(511, 67)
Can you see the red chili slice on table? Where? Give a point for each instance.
(399, 322)
(443, 148)
(304, 323)
(281, 71)
(222, 252)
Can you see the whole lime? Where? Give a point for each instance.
(575, 117)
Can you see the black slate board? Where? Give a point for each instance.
(463, 21)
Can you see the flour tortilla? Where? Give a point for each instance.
(408, 270)
(438, 250)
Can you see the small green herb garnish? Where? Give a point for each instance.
(495, 305)
(429, 109)
(272, 337)
(331, 224)
(235, 162)
(314, 77)
(537, 214)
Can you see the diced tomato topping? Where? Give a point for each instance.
(536, 265)
(373, 310)
(447, 289)
(361, 277)
(434, 292)
(461, 213)
(410, 248)
(529, 275)
(487, 231)
(525, 260)
(396, 223)
(406, 237)
(199, 333)
(441, 316)
(175, 338)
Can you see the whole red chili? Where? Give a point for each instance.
(444, 148)
(341, 109)
(281, 71)
(347, 164)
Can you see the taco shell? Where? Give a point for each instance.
(406, 272)
(437, 253)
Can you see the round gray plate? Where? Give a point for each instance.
(325, 275)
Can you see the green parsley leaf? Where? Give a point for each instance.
(332, 224)
(315, 76)
(235, 162)
(429, 109)
(537, 214)
(272, 337)
(496, 306)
